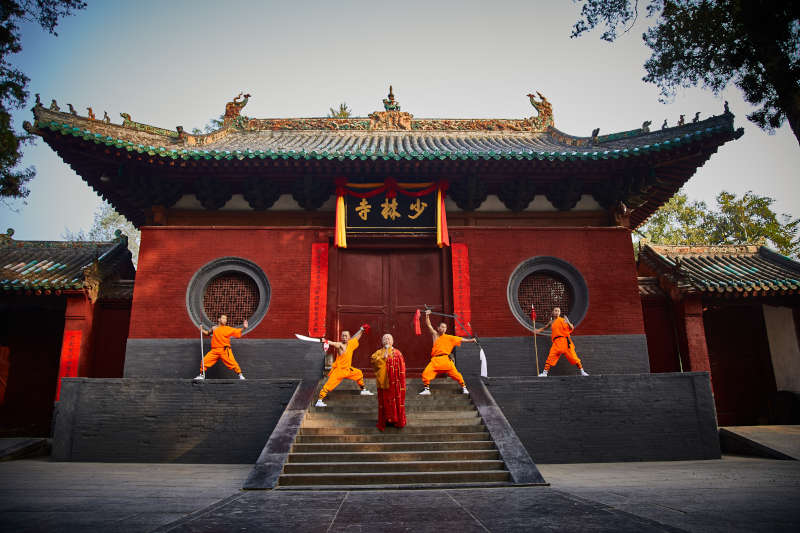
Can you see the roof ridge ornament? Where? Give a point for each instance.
(233, 110)
(544, 109)
(391, 118)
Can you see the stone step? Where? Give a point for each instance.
(399, 486)
(374, 457)
(342, 447)
(396, 437)
(372, 415)
(393, 466)
(408, 430)
(423, 404)
(413, 422)
(370, 478)
(415, 399)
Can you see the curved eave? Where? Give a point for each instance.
(667, 145)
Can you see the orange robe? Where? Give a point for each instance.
(562, 344)
(390, 377)
(440, 362)
(342, 368)
(221, 348)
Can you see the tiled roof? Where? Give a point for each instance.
(727, 271)
(327, 144)
(46, 266)
(649, 288)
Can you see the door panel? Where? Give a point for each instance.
(385, 288)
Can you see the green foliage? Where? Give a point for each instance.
(13, 83)
(754, 44)
(746, 220)
(213, 125)
(342, 112)
(106, 222)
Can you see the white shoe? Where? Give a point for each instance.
(201, 377)
(582, 372)
(543, 374)
(365, 392)
(464, 390)
(320, 403)
(425, 392)
(241, 376)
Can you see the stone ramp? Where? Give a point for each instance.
(775, 442)
(21, 447)
(444, 444)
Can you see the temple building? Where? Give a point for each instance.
(64, 311)
(733, 311)
(318, 225)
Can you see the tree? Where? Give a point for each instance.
(13, 83)
(751, 43)
(343, 111)
(106, 222)
(746, 220)
(213, 125)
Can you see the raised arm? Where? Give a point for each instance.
(361, 330)
(571, 326)
(428, 323)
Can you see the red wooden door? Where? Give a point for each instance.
(384, 288)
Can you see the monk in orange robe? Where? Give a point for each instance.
(441, 363)
(342, 367)
(390, 376)
(221, 347)
(560, 330)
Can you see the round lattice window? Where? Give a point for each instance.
(545, 283)
(228, 286)
(232, 294)
(545, 290)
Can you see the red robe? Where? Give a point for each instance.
(392, 399)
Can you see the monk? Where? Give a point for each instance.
(342, 367)
(221, 346)
(390, 375)
(441, 363)
(560, 330)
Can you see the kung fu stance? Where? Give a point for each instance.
(342, 367)
(560, 330)
(390, 375)
(221, 346)
(440, 363)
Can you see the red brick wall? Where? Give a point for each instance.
(603, 256)
(170, 256)
(110, 330)
(661, 340)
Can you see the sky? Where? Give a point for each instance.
(178, 63)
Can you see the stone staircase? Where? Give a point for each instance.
(444, 444)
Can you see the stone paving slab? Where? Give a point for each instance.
(733, 494)
(781, 442)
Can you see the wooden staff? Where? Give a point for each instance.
(535, 346)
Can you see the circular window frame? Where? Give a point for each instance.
(552, 265)
(199, 282)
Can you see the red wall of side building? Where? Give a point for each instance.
(170, 256)
(603, 256)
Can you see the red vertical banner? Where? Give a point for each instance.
(70, 354)
(318, 289)
(461, 287)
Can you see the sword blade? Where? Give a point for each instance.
(307, 339)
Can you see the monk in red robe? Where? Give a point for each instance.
(390, 375)
(560, 331)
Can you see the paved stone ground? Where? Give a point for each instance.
(732, 494)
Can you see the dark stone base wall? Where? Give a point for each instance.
(155, 421)
(258, 358)
(515, 356)
(647, 417)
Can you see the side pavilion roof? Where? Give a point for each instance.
(729, 271)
